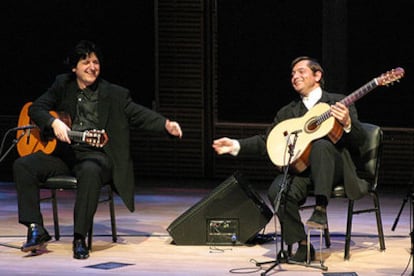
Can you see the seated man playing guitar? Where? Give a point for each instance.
(328, 162)
(91, 103)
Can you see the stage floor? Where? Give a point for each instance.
(145, 247)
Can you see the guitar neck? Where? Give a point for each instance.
(95, 138)
(359, 93)
(76, 136)
(351, 98)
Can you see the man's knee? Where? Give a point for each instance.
(322, 145)
(274, 189)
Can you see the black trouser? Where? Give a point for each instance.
(325, 171)
(92, 169)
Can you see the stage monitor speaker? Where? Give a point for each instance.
(232, 214)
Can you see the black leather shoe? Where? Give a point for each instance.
(37, 236)
(301, 254)
(318, 218)
(80, 250)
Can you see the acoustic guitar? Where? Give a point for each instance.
(315, 124)
(30, 139)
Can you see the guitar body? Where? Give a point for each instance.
(282, 136)
(32, 142)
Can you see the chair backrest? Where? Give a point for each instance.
(371, 152)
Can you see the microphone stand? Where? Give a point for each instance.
(282, 256)
(409, 195)
(14, 143)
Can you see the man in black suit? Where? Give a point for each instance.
(330, 163)
(90, 102)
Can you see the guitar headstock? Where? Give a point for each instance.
(95, 138)
(391, 76)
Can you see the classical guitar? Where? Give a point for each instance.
(315, 124)
(30, 139)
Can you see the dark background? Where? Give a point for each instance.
(37, 35)
(259, 39)
(255, 42)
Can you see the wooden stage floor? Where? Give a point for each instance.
(144, 245)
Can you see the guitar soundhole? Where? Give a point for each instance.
(311, 126)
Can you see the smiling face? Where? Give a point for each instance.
(87, 70)
(303, 79)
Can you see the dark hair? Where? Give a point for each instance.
(313, 64)
(81, 51)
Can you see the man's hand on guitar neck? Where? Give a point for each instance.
(341, 113)
(61, 130)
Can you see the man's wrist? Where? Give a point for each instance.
(236, 148)
(347, 127)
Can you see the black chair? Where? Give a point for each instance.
(65, 182)
(368, 170)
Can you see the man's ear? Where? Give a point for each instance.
(318, 76)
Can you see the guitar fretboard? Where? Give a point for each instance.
(359, 93)
(350, 99)
(76, 136)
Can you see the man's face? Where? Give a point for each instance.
(87, 70)
(303, 79)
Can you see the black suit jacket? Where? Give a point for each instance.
(349, 143)
(117, 113)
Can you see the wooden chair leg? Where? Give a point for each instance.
(381, 239)
(55, 214)
(327, 236)
(112, 214)
(348, 228)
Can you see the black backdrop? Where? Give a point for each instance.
(378, 40)
(36, 36)
(258, 40)
(256, 43)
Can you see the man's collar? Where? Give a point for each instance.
(314, 94)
